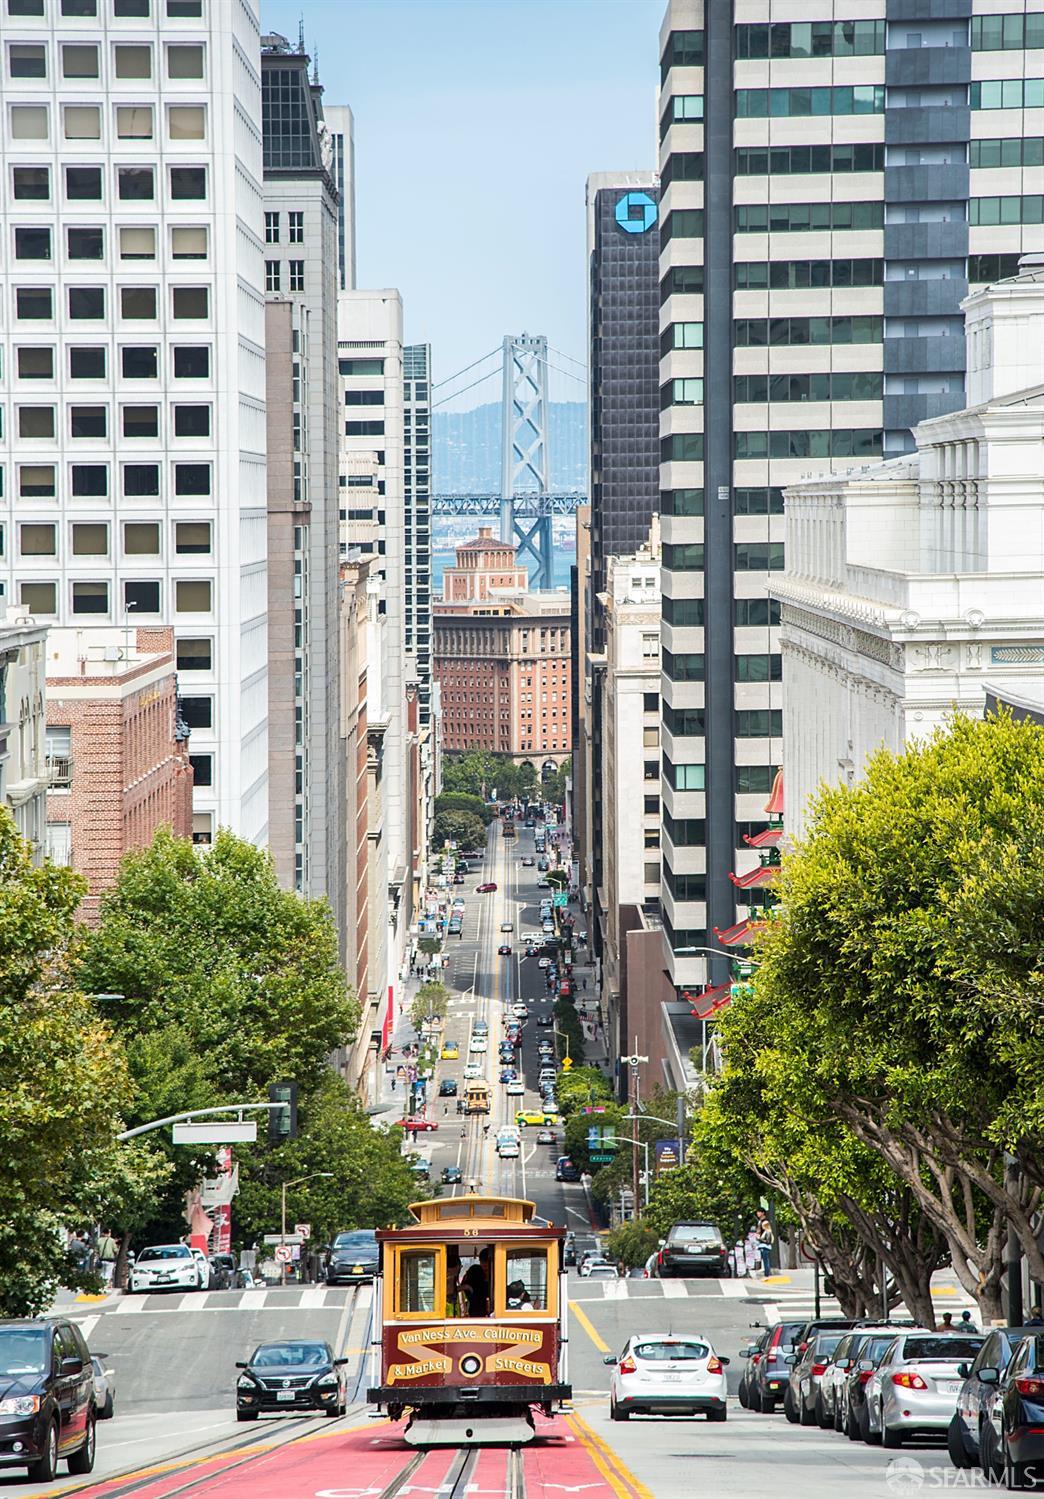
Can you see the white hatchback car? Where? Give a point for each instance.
(516, 1088)
(666, 1374)
(474, 1069)
(477, 1043)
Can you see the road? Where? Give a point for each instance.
(175, 1356)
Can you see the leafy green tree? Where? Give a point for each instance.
(460, 801)
(526, 778)
(473, 772)
(431, 1002)
(581, 1086)
(633, 1242)
(63, 1080)
(462, 828)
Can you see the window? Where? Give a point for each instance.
(198, 712)
(836, 442)
(25, 7)
(754, 779)
(133, 61)
(142, 595)
(682, 166)
(90, 539)
(682, 223)
(417, 1290)
(682, 447)
(32, 243)
(758, 501)
(801, 218)
(811, 39)
(38, 540)
(134, 122)
(90, 598)
(196, 654)
(141, 421)
(683, 777)
(191, 536)
(686, 667)
(191, 421)
(34, 303)
(141, 538)
(684, 887)
(682, 281)
(81, 8)
(360, 366)
(79, 60)
(35, 364)
(188, 182)
(681, 336)
(526, 1269)
(682, 613)
(192, 596)
(1007, 93)
(202, 769)
(650, 804)
(86, 363)
(842, 386)
(87, 303)
(139, 362)
(39, 598)
(81, 122)
(273, 272)
(759, 668)
(135, 184)
(684, 392)
(683, 109)
(184, 10)
(138, 303)
(684, 50)
(650, 702)
(845, 99)
(755, 612)
(758, 556)
(364, 398)
(31, 184)
(29, 122)
(297, 281)
(90, 480)
(685, 832)
(85, 243)
(36, 421)
(184, 61)
(992, 267)
(1018, 151)
(782, 331)
(757, 275)
(36, 481)
(778, 161)
(189, 242)
(191, 362)
(138, 243)
(683, 557)
(191, 478)
(27, 60)
(1010, 32)
(271, 232)
(190, 302)
(364, 429)
(140, 480)
(88, 421)
(295, 227)
(130, 10)
(83, 184)
(759, 723)
(1027, 209)
(681, 501)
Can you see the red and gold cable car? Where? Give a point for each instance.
(470, 1321)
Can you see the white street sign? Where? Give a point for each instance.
(284, 1254)
(216, 1132)
(283, 1238)
(303, 1230)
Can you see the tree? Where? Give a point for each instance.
(429, 1003)
(459, 801)
(900, 984)
(63, 1080)
(473, 772)
(633, 1242)
(462, 828)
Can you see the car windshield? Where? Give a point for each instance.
(873, 1348)
(661, 1353)
(165, 1252)
(826, 1342)
(22, 1351)
(695, 1233)
(355, 1241)
(941, 1348)
(287, 1355)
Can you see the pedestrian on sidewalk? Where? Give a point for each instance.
(108, 1249)
(766, 1240)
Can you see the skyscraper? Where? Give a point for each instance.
(341, 124)
(416, 370)
(133, 456)
(301, 235)
(829, 190)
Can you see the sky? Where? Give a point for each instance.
(476, 125)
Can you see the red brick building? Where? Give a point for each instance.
(118, 767)
(502, 658)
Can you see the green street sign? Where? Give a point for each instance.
(560, 900)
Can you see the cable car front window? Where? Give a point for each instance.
(417, 1280)
(526, 1280)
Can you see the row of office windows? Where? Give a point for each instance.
(1025, 209)
(91, 538)
(747, 556)
(134, 184)
(780, 103)
(36, 304)
(682, 392)
(40, 423)
(130, 122)
(39, 481)
(1007, 93)
(803, 218)
(86, 242)
(140, 595)
(746, 500)
(295, 227)
(131, 61)
(782, 161)
(781, 332)
(121, 10)
(857, 385)
(274, 275)
(682, 166)
(833, 442)
(1013, 31)
(803, 275)
(136, 362)
(810, 39)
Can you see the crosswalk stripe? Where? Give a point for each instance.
(127, 1305)
(671, 1288)
(252, 1301)
(734, 1288)
(615, 1290)
(313, 1296)
(86, 1324)
(195, 1302)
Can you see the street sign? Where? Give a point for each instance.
(283, 1254)
(283, 1238)
(567, 1062)
(600, 1157)
(216, 1132)
(304, 1230)
(560, 898)
(667, 1154)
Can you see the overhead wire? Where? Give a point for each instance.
(481, 360)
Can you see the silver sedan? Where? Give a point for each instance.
(104, 1388)
(914, 1388)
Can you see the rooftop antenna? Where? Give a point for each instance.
(300, 34)
(315, 65)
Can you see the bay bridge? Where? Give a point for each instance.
(525, 506)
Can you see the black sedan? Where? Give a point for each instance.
(352, 1257)
(293, 1376)
(448, 1087)
(451, 1175)
(1021, 1401)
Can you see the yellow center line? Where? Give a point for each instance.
(588, 1326)
(620, 1479)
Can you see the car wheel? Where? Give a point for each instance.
(854, 1426)
(615, 1414)
(788, 1407)
(839, 1415)
(743, 1397)
(718, 1415)
(807, 1416)
(246, 1415)
(992, 1468)
(1014, 1474)
(871, 1437)
(45, 1467)
(889, 1437)
(825, 1419)
(108, 1410)
(955, 1444)
(753, 1399)
(82, 1460)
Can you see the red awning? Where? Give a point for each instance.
(711, 1001)
(770, 838)
(740, 935)
(774, 805)
(755, 879)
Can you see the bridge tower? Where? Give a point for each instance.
(524, 465)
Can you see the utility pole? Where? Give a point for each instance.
(635, 1061)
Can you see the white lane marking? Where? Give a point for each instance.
(615, 1290)
(252, 1301)
(582, 1216)
(674, 1288)
(86, 1326)
(127, 1305)
(365, 1296)
(737, 1289)
(313, 1296)
(194, 1303)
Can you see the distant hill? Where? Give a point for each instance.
(466, 456)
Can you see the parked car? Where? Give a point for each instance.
(968, 1437)
(768, 1377)
(834, 1376)
(352, 1258)
(1017, 1415)
(203, 1264)
(801, 1402)
(851, 1399)
(104, 1387)
(290, 1376)
(47, 1386)
(221, 1273)
(165, 1267)
(752, 1354)
(914, 1388)
(664, 1374)
(694, 1249)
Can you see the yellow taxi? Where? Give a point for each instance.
(450, 1052)
(536, 1117)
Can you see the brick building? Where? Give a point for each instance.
(117, 754)
(502, 658)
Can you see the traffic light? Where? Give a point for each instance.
(282, 1122)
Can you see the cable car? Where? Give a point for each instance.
(470, 1333)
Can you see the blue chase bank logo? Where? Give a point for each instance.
(635, 213)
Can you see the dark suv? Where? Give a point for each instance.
(693, 1249)
(47, 1396)
(353, 1257)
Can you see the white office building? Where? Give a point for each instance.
(132, 452)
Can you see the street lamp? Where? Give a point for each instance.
(644, 1145)
(282, 1222)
